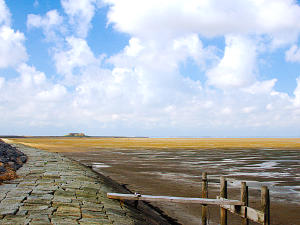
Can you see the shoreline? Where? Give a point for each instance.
(143, 205)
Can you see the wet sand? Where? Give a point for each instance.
(178, 173)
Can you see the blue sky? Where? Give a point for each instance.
(142, 68)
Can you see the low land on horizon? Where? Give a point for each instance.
(78, 144)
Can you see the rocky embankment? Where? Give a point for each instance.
(11, 159)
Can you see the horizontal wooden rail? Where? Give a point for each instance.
(241, 208)
(252, 214)
(203, 201)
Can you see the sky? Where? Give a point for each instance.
(172, 68)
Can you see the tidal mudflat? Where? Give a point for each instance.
(177, 172)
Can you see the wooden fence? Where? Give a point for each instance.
(239, 207)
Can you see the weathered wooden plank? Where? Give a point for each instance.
(204, 195)
(204, 201)
(255, 215)
(252, 214)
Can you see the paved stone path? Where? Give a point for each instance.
(52, 189)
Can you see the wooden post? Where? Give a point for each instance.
(244, 199)
(265, 204)
(204, 195)
(136, 204)
(223, 194)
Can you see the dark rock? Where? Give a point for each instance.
(11, 157)
(23, 158)
(11, 164)
(2, 169)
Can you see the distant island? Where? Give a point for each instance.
(75, 135)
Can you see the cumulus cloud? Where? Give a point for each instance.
(2, 81)
(4, 14)
(76, 55)
(30, 99)
(80, 14)
(49, 23)
(208, 18)
(12, 50)
(141, 88)
(293, 54)
(30, 76)
(261, 87)
(149, 65)
(56, 93)
(237, 67)
(297, 93)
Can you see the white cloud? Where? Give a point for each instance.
(263, 87)
(293, 54)
(77, 55)
(4, 14)
(30, 99)
(12, 50)
(51, 22)
(297, 93)
(208, 17)
(56, 93)
(52, 18)
(134, 47)
(248, 109)
(36, 3)
(237, 67)
(80, 14)
(30, 77)
(2, 81)
(141, 88)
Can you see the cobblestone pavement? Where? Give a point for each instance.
(52, 189)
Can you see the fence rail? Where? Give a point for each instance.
(203, 201)
(238, 207)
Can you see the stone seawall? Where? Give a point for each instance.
(52, 189)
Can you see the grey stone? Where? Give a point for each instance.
(8, 211)
(2, 169)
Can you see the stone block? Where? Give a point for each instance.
(35, 207)
(68, 211)
(94, 221)
(92, 214)
(57, 220)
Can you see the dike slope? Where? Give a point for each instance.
(52, 189)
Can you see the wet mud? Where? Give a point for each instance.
(178, 173)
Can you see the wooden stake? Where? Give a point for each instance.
(244, 199)
(204, 195)
(265, 204)
(223, 194)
